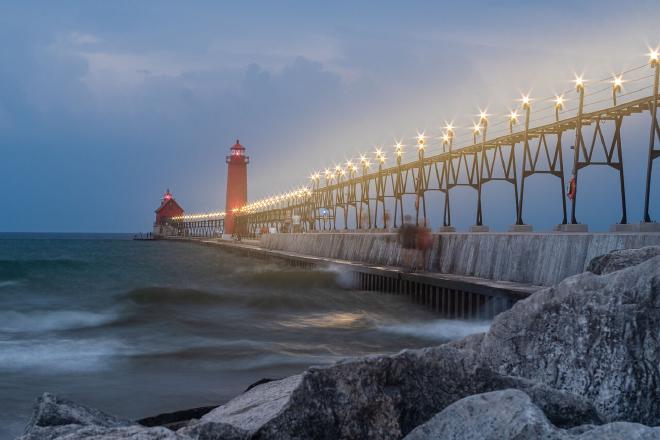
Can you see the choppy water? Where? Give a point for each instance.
(139, 328)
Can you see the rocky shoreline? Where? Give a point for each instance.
(579, 360)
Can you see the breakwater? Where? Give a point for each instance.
(530, 258)
(450, 296)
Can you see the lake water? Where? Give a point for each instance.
(139, 328)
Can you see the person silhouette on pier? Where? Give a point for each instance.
(407, 240)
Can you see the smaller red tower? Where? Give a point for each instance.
(168, 208)
(236, 183)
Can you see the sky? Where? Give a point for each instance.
(104, 105)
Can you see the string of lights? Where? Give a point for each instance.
(466, 137)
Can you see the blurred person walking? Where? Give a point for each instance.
(407, 240)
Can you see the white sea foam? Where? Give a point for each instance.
(57, 356)
(8, 283)
(441, 330)
(42, 320)
(344, 278)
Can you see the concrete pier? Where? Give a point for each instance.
(530, 258)
(451, 296)
(468, 275)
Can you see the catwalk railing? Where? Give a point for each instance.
(357, 197)
(199, 225)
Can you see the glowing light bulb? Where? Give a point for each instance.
(579, 82)
(559, 102)
(398, 148)
(483, 116)
(513, 117)
(476, 128)
(421, 140)
(526, 101)
(617, 82)
(654, 56)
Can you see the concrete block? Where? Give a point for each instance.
(532, 258)
(618, 227)
(570, 227)
(649, 227)
(447, 229)
(521, 228)
(479, 228)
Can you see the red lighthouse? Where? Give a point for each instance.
(168, 208)
(236, 183)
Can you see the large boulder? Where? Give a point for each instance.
(622, 258)
(511, 414)
(593, 335)
(56, 418)
(378, 397)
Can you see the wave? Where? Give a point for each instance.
(337, 320)
(176, 295)
(196, 350)
(42, 320)
(242, 355)
(248, 297)
(13, 269)
(9, 283)
(292, 278)
(439, 330)
(57, 356)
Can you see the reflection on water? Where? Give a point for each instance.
(327, 320)
(138, 328)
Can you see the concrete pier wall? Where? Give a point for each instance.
(534, 258)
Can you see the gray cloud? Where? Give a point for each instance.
(107, 110)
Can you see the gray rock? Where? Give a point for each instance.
(247, 412)
(51, 410)
(470, 342)
(135, 432)
(214, 431)
(511, 414)
(498, 415)
(57, 418)
(379, 397)
(620, 431)
(595, 336)
(177, 419)
(620, 259)
(564, 410)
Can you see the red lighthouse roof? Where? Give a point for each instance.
(237, 154)
(168, 208)
(238, 146)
